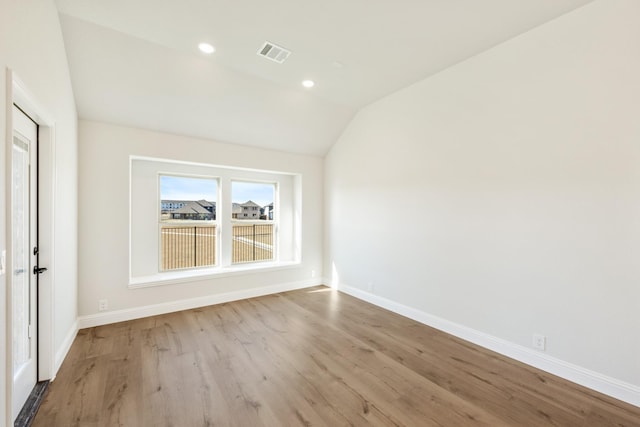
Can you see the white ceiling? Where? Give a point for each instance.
(136, 62)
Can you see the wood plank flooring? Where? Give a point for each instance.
(313, 357)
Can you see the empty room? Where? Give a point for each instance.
(333, 213)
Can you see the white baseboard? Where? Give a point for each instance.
(108, 317)
(61, 353)
(601, 383)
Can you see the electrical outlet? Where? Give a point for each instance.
(313, 273)
(103, 304)
(370, 287)
(539, 342)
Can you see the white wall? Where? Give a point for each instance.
(524, 164)
(105, 151)
(31, 45)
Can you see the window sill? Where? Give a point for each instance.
(177, 277)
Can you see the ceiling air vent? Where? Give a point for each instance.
(274, 52)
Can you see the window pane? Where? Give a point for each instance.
(252, 212)
(187, 199)
(185, 243)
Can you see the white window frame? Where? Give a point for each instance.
(214, 222)
(145, 272)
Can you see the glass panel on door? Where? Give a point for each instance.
(21, 255)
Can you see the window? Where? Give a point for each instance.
(253, 236)
(188, 226)
(189, 220)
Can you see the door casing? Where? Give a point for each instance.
(18, 93)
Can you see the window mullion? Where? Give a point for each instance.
(225, 223)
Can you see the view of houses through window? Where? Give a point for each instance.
(252, 221)
(189, 222)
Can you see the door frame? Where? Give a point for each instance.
(18, 93)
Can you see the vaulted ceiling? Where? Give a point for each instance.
(136, 62)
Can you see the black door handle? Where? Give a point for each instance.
(37, 270)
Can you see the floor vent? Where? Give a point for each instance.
(274, 52)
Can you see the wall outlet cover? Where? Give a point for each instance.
(539, 342)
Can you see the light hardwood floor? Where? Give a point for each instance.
(313, 357)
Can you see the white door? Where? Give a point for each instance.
(23, 256)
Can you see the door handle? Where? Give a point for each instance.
(37, 270)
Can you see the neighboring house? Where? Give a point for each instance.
(267, 212)
(247, 210)
(169, 205)
(236, 210)
(188, 209)
(250, 210)
(210, 206)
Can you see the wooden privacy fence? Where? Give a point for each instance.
(188, 247)
(195, 246)
(252, 242)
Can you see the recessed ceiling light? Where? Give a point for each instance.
(206, 48)
(308, 83)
